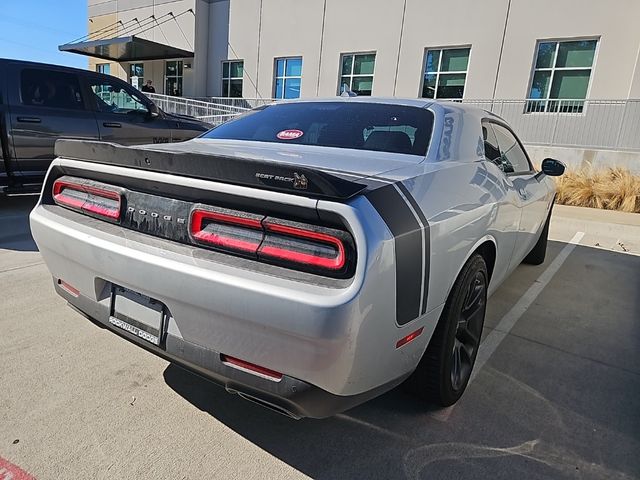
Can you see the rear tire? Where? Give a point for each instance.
(539, 251)
(445, 368)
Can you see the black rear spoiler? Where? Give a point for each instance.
(236, 170)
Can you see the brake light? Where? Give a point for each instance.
(251, 367)
(302, 246)
(226, 229)
(412, 336)
(88, 197)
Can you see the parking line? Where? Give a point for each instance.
(504, 326)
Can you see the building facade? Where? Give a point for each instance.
(546, 51)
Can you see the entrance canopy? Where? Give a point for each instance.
(125, 49)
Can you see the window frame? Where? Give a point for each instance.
(424, 72)
(99, 65)
(229, 78)
(351, 74)
(553, 69)
(284, 76)
(131, 65)
(493, 121)
(176, 76)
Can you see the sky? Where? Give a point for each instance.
(33, 29)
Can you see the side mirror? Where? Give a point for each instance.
(154, 111)
(552, 167)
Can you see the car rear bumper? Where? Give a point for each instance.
(335, 347)
(289, 396)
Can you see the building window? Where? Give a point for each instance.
(356, 73)
(288, 77)
(173, 78)
(561, 76)
(136, 70)
(103, 68)
(232, 72)
(445, 73)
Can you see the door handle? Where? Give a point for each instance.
(29, 119)
(112, 124)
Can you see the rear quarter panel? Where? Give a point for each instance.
(466, 204)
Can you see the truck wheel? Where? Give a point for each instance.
(445, 368)
(539, 251)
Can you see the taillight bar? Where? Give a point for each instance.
(289, 244)
(226, 229)
(287, 251)
(87, 196)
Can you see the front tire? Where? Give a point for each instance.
(539, 251)
(445, 368)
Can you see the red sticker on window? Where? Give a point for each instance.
(289, 134)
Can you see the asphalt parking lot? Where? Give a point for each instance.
(557, 394)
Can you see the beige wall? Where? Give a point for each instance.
(615, 23)
(260, 31)
(178, 33)
(99, 23)
(398, 31)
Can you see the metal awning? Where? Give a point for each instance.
(125, 49)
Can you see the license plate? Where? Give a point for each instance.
(137, 314)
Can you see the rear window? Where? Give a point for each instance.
(361, 126)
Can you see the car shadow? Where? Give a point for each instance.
(15, 233)
(513, 421)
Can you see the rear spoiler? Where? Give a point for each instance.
(267, 175)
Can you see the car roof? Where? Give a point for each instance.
(410, 102)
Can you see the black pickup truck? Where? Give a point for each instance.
(41, 103)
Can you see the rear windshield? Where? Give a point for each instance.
(362, 126)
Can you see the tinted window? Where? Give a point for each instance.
(112, 97)
(363, 126)
(512, 153)
(491, 148)
(44, 88)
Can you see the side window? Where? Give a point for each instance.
(491, 148)
(44, 88)
(513, 156)
(111, 97)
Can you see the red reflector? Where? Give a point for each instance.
(408, 338)
(243, 237)
(271, 374)
(330, 263)
(68, 288)
(87, 198)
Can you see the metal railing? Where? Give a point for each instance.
(196, 108)
(598, 124)
(245, 103)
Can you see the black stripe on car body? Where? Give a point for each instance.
(409, 248)
(427, 243)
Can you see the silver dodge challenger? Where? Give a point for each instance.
(307, 255)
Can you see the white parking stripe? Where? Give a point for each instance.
(504, 326)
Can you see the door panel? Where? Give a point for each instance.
(532, 195)
(123, 116)
(45, 105)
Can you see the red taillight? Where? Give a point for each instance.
(226, 229)
(251, 367)
(410, 337)
(88, 197)
(289, 244)
(302, 246)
